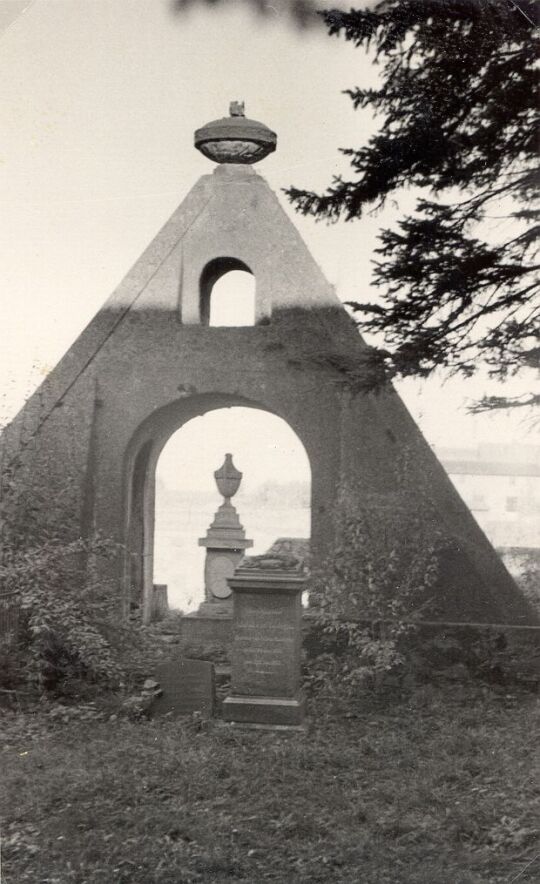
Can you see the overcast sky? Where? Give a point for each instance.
(99, 101)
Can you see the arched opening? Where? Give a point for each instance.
(139, 474)
(273, 501)
(227, 293)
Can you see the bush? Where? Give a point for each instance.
(60, 609)
(12, 665)
(383, 571)
(529, 578)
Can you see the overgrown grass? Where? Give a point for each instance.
(437, 788)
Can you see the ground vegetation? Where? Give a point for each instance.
(432, 786)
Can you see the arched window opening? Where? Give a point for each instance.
(227, 293)
(273, 501)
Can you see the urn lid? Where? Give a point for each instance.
(236, 138)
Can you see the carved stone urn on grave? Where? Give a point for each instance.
(225, 542)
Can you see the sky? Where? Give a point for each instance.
(263, 446)
(99, 100)
(265, 450)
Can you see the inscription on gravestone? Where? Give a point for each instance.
(265, 645)
(265, 684)
(187, 686)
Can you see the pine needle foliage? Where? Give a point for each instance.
(458, 105)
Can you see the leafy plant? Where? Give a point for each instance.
(382, 573)
(529, 578)
(60, 610)
(61, 643)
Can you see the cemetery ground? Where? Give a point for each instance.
(433, 784)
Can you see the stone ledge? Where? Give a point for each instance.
(267, 711)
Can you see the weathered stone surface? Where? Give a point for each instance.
(268, 711)
(266, 650)
(160, 602)
(235, 139)
(225, 540)
(187, 686)
(299, 547)
(272, 561)
(266, 644)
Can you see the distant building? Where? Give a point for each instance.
(501, 485)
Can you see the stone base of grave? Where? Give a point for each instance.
(267, 711)
(207, 627)
(215, 610)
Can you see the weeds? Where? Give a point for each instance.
(438, 787)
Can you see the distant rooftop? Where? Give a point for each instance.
(491, 459)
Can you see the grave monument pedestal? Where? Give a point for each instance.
(225, 543)
(266, 649)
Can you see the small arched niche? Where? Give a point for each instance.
(227, 293)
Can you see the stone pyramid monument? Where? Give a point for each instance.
(83, 451)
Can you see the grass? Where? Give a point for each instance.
(437, 788)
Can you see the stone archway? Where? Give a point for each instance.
(148, 362)
(141, 462)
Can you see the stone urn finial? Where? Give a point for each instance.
(225, 539)
(236, 138)
(228, 478)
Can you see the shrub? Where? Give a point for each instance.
(529, 578)
(60, 611)
(382, 574)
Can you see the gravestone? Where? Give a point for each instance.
(187, 686)
(267, 643)
(160, 602)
